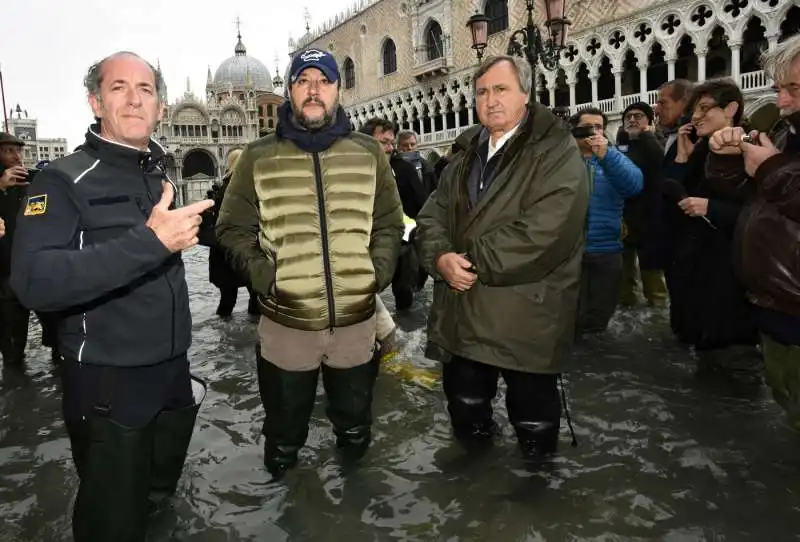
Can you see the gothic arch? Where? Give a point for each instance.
(199, 160)
(388, 56)
(190, 105)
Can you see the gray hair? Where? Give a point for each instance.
(778, 63)
(94, 77)
(405, 134)
(521, 68)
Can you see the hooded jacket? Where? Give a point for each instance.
(82, 249)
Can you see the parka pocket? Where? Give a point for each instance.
(535, 291)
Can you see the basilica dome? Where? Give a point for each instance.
(240, 69)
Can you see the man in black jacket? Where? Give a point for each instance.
(413, 195)
(99, 241)
(13, 316)
(643, 212)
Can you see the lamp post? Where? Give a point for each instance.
(531, 42)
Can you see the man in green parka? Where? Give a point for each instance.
(503, 237)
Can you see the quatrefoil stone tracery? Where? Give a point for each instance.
(642, 32)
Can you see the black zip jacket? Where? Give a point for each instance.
(82, 249)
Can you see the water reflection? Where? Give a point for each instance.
(663, 455)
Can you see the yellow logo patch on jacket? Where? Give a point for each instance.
(37, 205)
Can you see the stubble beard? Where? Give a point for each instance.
(316, 124)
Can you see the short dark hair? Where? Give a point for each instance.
(377, 124)
(681, 88)
(576, 118)
(723, 92)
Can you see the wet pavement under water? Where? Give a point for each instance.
(663, 455)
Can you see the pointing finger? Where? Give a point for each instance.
(196, 208)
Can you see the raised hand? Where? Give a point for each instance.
(176, 228)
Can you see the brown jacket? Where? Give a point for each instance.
(767, 258)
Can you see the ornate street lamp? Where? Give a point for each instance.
(478, 26)
(531, 42)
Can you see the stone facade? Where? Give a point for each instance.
(36, 148)
(199, 134)
(618, 52)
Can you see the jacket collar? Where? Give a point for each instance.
(537, 124)
(122, 155)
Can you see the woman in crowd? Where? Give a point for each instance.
(708, 306)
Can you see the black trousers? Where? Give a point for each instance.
(532, 401)
(129, 429)
(13, 325)
(601, 284)
(227, 301)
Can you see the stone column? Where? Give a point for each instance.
(552, 90)
(701, 64)
(643, 90)
(618, 90)
(670, 69)
(593, 78)
(571, 82)
(772, 39)
(736, 58)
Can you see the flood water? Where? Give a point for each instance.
(663, 455)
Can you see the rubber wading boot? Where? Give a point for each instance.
(172, 434)
(537, 440)
(654, 288)
(349, 409)
(469, 388)
(288, 399)
(114, 465)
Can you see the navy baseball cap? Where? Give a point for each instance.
(314, 58)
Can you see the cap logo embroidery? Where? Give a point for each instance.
(312, 55)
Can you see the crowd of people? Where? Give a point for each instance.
(533, 229)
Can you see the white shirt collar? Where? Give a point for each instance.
(500, 142)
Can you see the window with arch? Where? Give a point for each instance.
(433, 41)
(349, 73)
(389, 57)
(497, 13)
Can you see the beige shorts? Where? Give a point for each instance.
(296, 350)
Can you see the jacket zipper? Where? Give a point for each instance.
(323, 227)
(166, 278)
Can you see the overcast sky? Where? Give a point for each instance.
(46, 46)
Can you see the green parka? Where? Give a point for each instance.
(525, 237)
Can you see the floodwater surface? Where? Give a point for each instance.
(662, 455)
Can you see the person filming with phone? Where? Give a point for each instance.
(14, 180)
(708, 308)
(613, 178)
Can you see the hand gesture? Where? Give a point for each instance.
(694, 206)
(755, 155)
(727, 140)
(453, 267)
(2, 227)
(685, 145)
(13, 176)
(599, 145)
(177, 228)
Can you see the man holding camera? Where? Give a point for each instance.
(13, 185)
(768, 227)
(613, 178)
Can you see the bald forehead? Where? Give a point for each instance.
(126, 62)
